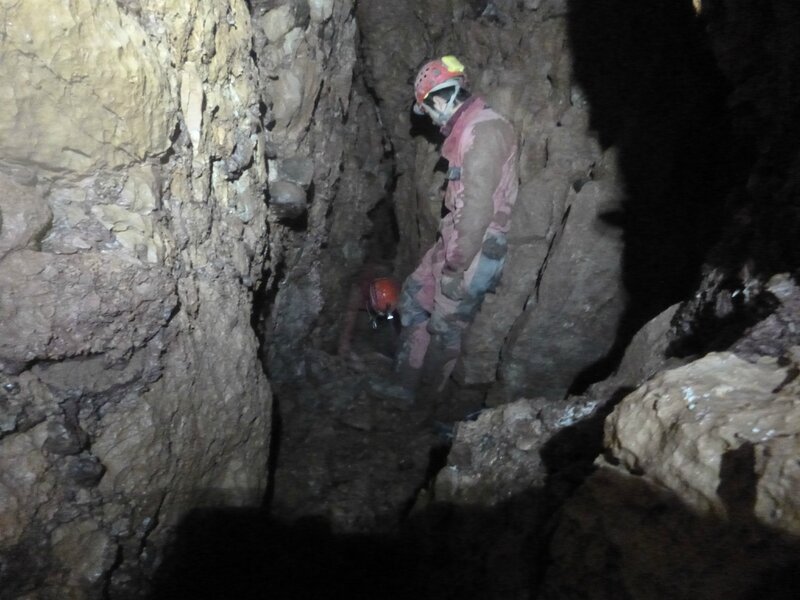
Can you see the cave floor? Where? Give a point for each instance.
(348, 457)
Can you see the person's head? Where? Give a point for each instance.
(439, 89)
(383, 296)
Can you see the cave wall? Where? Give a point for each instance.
(185, 188)
(132, 234)
(328, 170)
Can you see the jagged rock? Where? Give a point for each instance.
(702, 456)
(552, 342)
(499, 454)
(132, 234)
(25, 217)
(124, 307)
(320, 111)
(97, 95)
(647, 353)
(278, 22)
(682, 427)
(778, 331)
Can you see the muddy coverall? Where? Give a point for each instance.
(441, 297)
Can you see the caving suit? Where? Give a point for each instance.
(441, 297)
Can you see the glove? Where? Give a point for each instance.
(451, 285)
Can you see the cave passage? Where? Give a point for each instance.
(342, 516)
(192, 198)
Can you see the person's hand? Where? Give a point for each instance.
(451, 285)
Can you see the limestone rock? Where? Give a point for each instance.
(297, 169)
(686, 427)
(499, 454)
(25, 217)
(704, 456)
(582, 277)
(321, 123)
(321, 10)
(133, 232)
(124, 308)
(85, 89)
(278, 22)
(646, 353)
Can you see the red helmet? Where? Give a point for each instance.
(383, 294)
(437, 74)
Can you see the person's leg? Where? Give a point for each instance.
(450, 318)
(415, 306)
(446, 328)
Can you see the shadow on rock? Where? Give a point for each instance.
(442, 552)
(656, 94)
(621, 536)
(618, 537)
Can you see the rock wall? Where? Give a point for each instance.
(133, 234)
(327, 172)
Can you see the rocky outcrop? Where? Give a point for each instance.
(702, 456)
(132, 236)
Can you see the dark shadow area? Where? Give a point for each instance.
(569, 455)
(458, 552)
(656, 93)
(384, 236)
(623, 537)
(758, 47)
(445, 552)
(275, 437)
(738, 481)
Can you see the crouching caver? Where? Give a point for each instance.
(375, 292)
(440, 298)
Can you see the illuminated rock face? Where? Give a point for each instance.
(132, 234)
(86, 88)
(703, 456)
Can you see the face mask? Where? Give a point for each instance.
(441, 117)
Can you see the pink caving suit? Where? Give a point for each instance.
(441, 297)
